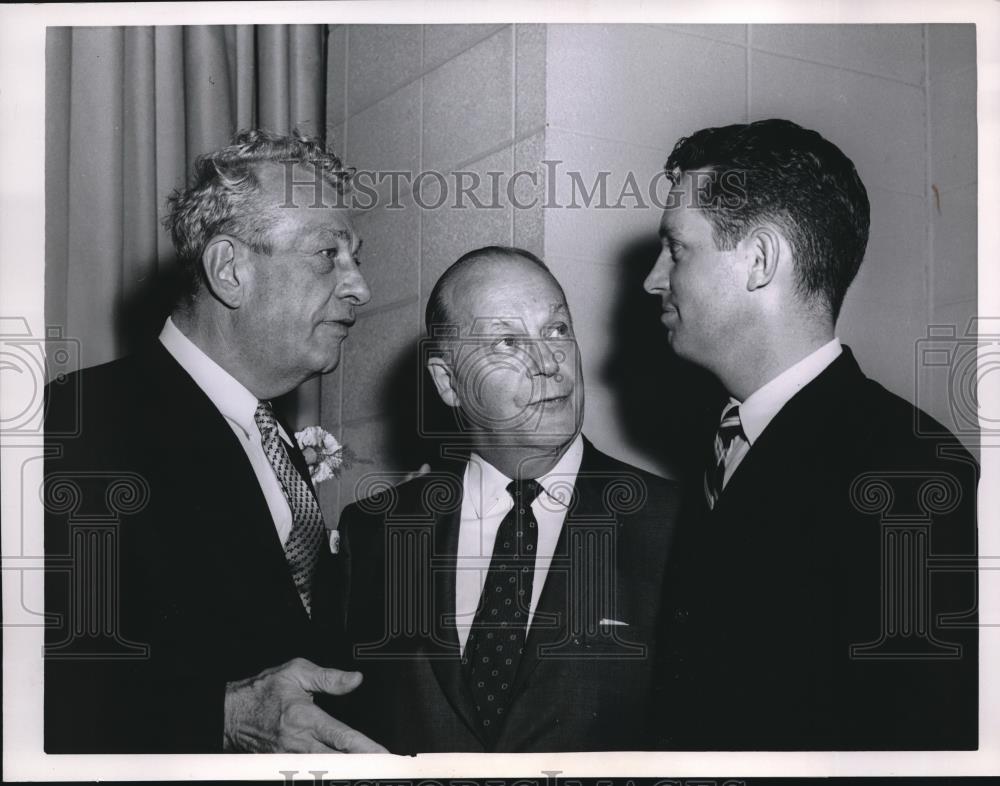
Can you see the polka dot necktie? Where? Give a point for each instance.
(303, 543)
(730, 427)
(496, 639)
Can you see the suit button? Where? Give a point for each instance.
(681, 615)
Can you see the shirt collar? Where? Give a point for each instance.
(486, 485)
(764, 403)
(231, 398)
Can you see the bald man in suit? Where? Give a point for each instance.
(508, 601)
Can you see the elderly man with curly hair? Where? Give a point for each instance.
(218, 603)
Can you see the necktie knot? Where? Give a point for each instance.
(264, 418)
(730, 427)
(524, 492)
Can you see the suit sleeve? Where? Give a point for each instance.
(927, 695)
(116, 678)
(350, 602)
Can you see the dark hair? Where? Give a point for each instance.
(437, 315)
(222, 196)
(777, 171)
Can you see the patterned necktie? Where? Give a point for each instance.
(729, 428)
(496, 639)
(303, 544)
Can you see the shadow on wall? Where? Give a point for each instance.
(140, 317)
(662, 401)
(140, 314)
(415, 415)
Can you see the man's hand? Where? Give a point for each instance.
(273, 712)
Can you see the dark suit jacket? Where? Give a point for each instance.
(166, 578)
(808, 610)
(580, 685)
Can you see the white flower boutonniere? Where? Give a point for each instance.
(324, 455)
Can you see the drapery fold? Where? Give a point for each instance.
(127, 111)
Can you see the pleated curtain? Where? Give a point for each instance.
(127, 111)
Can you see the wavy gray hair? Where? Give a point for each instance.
(222, 195)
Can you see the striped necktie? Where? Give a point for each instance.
(303, 544)
(730, 427)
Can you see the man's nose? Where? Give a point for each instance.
(353, 287)
(550, 357)
(658, 279)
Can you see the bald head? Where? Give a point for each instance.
(483, 268)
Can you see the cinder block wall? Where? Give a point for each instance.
(431, 98)
(952, 210)
(898, 99)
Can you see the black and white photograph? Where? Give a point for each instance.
(431, 383)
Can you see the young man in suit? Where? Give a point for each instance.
(508, 601)
(806, 608)
(195, 622)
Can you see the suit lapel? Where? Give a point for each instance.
(784, 443)
(444, 649)
(247, 529)
(558, 615)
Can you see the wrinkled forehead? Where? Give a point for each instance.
(505, 291)
(294, 184)
(303, 207)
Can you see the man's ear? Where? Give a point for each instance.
(224, 271)
(765, 251)
(444, 381)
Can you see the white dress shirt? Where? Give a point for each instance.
(237, 405)
(485, 502)
(764, 403)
